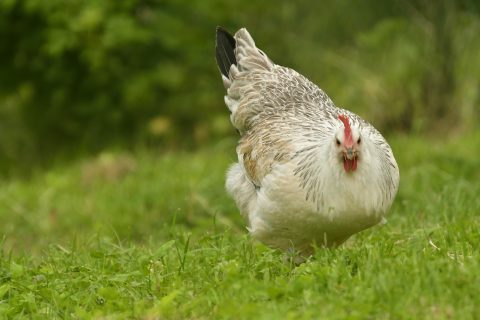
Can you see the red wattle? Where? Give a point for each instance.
(350, 165)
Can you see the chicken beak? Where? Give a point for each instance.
(350, 153)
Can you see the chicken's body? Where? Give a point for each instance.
(294, 181)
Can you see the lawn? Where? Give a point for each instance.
(152, 235)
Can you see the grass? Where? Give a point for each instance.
(153, 236)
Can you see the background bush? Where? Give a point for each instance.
(77, 76)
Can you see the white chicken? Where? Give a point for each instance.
(308, 173)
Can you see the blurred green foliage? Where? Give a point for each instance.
(79, 75)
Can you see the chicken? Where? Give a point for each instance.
(308, 173)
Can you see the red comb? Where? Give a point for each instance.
(348, 130)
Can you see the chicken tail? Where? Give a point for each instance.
(241, 64)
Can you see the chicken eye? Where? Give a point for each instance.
(337, 142)
(359, 140)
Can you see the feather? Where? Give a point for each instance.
(224, 50)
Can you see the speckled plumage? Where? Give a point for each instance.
(289, 182)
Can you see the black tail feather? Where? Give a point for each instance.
(225, 50)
